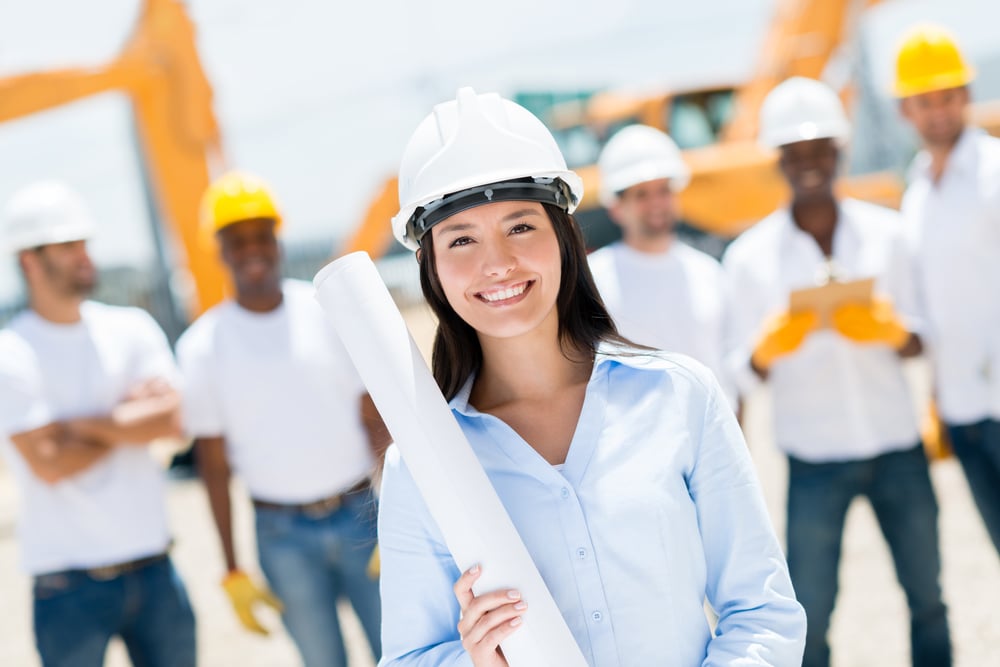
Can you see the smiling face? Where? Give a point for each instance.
(250, 250)
(499, 267)
(810, 167)
(646, 212)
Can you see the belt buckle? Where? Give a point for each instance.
(106, 573)
(322, 508)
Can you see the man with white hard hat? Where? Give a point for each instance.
(843, 414)
(660, 291)
(84, 388)
(271, 395)
(952, 207)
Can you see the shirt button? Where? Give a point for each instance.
(597, 616)
(582, 553)
(564, 492)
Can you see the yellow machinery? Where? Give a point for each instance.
(734, 182)
(171, 98)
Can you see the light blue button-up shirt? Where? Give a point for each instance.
(656, 509)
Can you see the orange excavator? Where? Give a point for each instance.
(734, 181)
(159, 70)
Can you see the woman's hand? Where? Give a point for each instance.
(486, 620)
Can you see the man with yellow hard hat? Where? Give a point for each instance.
(952, 206)
(270, 394)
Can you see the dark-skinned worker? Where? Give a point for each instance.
(271, 395)
(660, 291)
(84, 388)
(842, 409)
(952, 209)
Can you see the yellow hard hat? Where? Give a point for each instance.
(928, 59)
(234, 197)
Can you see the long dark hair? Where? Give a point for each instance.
(583, 320)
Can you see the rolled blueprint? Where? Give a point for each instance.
(475, 525)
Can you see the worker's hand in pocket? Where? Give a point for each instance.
(487, 619)
(782, 335)
(244, 594)
(875, 322)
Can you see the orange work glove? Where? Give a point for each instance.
(374, 568)
(875, 322)
(243, 593)
(783, 335)
(937, 444)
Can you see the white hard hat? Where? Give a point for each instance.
(45, 213)
(636, 154)
(801, 109)
(473, 150)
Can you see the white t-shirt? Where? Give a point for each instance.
(954, 227)
(113, 511)
(281, 389)
(673, 301)
(834, 399)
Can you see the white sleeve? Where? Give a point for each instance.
(747, 311)
(22, 402)
(152, 355)
(201, 405)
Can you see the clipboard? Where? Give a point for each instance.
(825, 299)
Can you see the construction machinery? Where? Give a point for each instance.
(734, 180)
(160, 72)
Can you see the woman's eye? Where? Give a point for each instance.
(461, 240)
(521, 228)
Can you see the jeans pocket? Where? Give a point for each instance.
(49, 586)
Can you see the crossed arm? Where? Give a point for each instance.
(62, 449)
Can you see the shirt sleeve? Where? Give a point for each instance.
(419, 611)
(748, 584)
(153, 358)
(201, 405)
(22, 401)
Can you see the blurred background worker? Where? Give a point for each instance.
(952, 206)
(84, 387)
(270, 393)
(842, 408)
(660, 291)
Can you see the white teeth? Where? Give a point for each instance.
(501, 295)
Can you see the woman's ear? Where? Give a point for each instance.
(419, 254)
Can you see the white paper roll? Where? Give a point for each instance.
(450, 478)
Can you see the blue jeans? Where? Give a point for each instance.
(312, 561)
(898, 486)
(75, 616)
(977, 447)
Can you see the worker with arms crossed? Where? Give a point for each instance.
(952, 210)
(270, 394)
(843, 414)
(660, 291)
(84, 388)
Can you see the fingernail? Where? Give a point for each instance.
(514, 595)
(521, 606)
(515, 621)
(474, 569)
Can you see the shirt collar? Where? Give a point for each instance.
(607, 352)
(962, 158)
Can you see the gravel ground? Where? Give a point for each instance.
(870, 625)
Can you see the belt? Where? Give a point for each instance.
(109, 572)
(320, 507)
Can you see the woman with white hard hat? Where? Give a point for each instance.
(622, 467)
